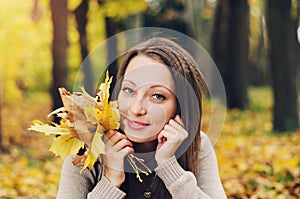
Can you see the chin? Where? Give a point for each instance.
(141, 140)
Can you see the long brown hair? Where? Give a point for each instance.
(182, 67)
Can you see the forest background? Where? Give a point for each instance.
(254, 43)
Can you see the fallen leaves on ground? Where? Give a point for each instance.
(253, 161)
(22, 177)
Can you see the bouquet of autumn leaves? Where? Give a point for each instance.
(84, 120)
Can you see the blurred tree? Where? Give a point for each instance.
(112, 51)
(258, 65)
(59, 50)
(110, 31)
(131, 22)
(36, 13)
(193, 10)
(230, 49)
(81, 12)
(285, 61)
(113, 23)
(167, 14)
(198, 16)
(259, 70)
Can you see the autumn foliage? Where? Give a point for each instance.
(254, 162)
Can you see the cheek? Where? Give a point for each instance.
(163, 112)
(159, 116)
(123, 103)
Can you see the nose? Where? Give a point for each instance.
(137, 105)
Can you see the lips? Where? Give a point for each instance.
(136, 125)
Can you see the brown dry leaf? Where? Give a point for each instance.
(74, 105)
(79, 160)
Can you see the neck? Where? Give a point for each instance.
(146, 147)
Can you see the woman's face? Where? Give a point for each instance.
(146, 99)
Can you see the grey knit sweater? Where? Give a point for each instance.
(180, 183)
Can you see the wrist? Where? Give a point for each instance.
(160, 160)
(115, 177)
(169, 171)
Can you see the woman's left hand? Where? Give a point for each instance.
(169, 139)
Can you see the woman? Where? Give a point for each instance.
(159, 95)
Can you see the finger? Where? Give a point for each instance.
(165, 135)
(175, 124)
(161, 138)
(179, 120)
(116, 138)
(126, 151)
(175, 127)
(108, 135)
(171, 132)
(171, 128)
(122, 144)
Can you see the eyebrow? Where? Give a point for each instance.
(126, 80)
(155, 86)
(152, 86)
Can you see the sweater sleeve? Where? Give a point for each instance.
(106, 190)
(86, 184)
(184, 184)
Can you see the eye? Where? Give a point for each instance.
(159, 97)
(127, 90)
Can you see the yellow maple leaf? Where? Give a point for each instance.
(66, 145)
(108, 116)
(84, 121)
(97, 148)
(47, 129)
(104, 89)
(91, 114)
(89, 162)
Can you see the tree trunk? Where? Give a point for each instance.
(112, 50)
(259, 70)
(59, 50)
(230, 49)
(238, 53)
(81, 20)
(133, 21)
(194, 20)
(284, 53)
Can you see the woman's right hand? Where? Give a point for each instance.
(117, 146)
